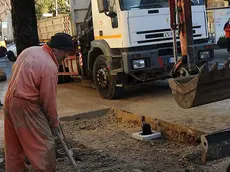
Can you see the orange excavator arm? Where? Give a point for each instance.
(181, 19)
(200, 85)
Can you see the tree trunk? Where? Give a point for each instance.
(24, 24)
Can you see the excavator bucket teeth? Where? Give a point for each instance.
(215, 145)
(202, 88)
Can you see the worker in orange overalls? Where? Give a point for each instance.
(30, 106)
(227, 34)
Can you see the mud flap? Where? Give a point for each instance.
(215, 145)
(201, 89)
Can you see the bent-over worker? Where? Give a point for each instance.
(30, 106)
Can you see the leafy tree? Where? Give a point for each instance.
(48, 6)
(63, 6)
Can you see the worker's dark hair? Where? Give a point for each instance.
(62, 41)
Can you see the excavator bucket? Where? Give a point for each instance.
(215, 145)
(202, 88)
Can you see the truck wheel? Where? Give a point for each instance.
(11, 56)
(104, 82)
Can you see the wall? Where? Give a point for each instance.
(216, 20)
(8, 32)
(216, 3)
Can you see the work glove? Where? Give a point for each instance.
(55, 131)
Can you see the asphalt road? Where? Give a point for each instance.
(152, 99)
(221, 55)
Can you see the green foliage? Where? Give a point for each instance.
(39, 10)
(63, 8)
(48, 6)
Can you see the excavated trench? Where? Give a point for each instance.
(102, 142)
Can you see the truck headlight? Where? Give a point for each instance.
(138, 64)
(205, 55)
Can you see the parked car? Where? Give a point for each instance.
(11, 50)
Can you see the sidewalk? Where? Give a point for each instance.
(3, 88)
(3, 85)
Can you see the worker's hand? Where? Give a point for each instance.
(55, 131)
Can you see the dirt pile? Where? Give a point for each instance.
(103, 144)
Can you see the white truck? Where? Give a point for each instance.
(130, 41)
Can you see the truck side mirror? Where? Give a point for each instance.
(111, 14)
(103, 5)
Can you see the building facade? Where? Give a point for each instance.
(218, 13)
(6, 28)
(216, 3)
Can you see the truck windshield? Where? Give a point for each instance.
(146, 4)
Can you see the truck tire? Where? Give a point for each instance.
(104, 82)
(11, 56)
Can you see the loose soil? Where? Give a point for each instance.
(103, 144)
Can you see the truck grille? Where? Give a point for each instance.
(162, 35)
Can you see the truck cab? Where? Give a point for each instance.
(130, 41)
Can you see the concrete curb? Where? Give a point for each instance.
(169, 130)
(86, 115)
